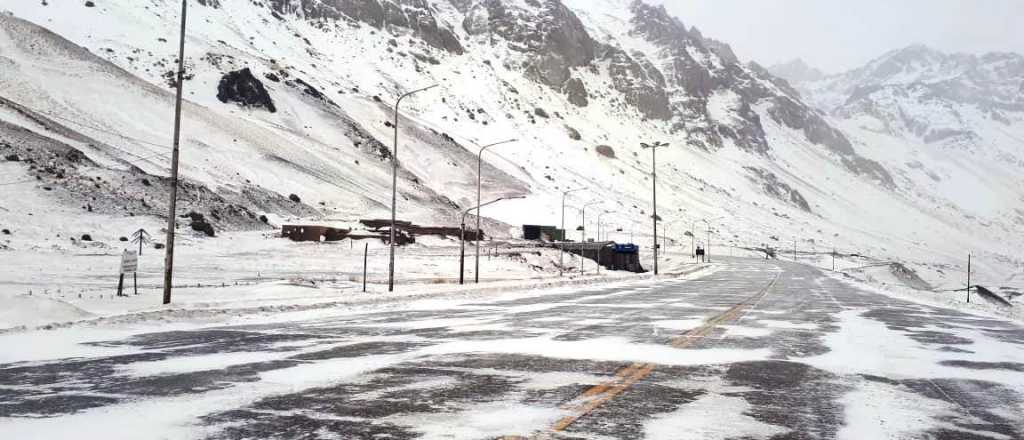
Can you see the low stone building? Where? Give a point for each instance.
(313, 233)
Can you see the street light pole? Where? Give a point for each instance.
(479, 179)
(172, 205)
(707, 250)
(394, 189)
(654, 195)
(599, 225)
(583, 232)
(462, 235)
(693, 239)
(561, 252)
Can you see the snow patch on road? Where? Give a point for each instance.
(680, 324)
(745, 332)
(789, 325)
(881, 411)
(484, 420)
(866, 346)
(603, 349)
(712, 417)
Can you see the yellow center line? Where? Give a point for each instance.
(597, 395)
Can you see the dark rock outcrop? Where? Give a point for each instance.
(243, 88)
(778, 189)
(547, 30)
(415, 15)
(577, 92)
(198, 223)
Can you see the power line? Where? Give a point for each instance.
(17, 182)
(112, 133)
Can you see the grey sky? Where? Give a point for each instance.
(836, 35)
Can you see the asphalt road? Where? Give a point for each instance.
(754, 350)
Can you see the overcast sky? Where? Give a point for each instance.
(836, 35)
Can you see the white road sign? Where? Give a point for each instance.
(129, 262)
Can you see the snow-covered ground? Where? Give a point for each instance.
(260, 271)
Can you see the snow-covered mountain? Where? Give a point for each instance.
(796, 71)
(949, 126)
(293, 97)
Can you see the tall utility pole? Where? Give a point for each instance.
(479, 171)
(707, 250)
(654, 195)
(599, 225)
(583, 231)
(693, 239)
(462, 235)
(394, 190)
(561, 252)
(968, 277)
(173, 204)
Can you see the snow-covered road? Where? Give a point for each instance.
(755, 350)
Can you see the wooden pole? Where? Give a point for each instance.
(366, 253)
(172, 205)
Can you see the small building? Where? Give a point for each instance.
(545, 233)
(313, 233)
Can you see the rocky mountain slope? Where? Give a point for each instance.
(292, 97)
(952, 123)
(796, 71)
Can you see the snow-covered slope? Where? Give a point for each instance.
(796, 71)
(310, 118)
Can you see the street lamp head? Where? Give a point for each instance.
(509, 141)
(573, 190)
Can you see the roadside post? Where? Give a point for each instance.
(129, 264)
(968, 278)
(366, 253)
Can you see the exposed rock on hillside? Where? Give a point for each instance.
(245, 89)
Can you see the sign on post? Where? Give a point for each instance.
(129, 262)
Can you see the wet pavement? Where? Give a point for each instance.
(755, 350)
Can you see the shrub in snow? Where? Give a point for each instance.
(605, 151)
(574, 134)
(86, 237)
(294, 198)
(200, 224)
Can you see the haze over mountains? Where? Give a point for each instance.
(917, 156)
